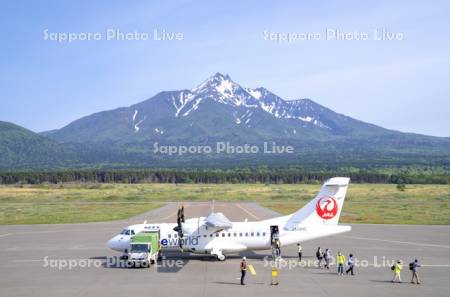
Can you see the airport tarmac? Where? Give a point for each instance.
(30, 256)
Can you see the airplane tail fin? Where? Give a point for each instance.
(325, 208)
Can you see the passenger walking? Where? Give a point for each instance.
(327, 258)
(350, 264)
(319, 256)
(243, 269)
(397, 268)
(340, 261)
(413, 266)
(300, 250)
(278, 245)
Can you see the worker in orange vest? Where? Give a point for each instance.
(243, 269)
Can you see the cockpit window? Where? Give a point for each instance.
(127, 232)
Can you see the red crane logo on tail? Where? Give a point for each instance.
(326, 207)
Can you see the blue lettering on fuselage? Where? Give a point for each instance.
(189, 241)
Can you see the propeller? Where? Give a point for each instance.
(179, 227)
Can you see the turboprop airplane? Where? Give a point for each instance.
(218, 236)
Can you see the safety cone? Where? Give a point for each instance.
(274, 281)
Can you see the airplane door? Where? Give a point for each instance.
(275, 240)
(274, 233)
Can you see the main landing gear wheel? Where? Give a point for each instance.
(221, 257)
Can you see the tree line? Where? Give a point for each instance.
(248, 175)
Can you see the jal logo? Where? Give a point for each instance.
(326, 208)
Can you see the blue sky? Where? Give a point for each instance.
(398, 84)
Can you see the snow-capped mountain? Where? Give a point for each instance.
(219, 109)
(222, 89)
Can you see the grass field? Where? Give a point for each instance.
(71, 203)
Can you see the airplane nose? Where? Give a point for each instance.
(112, 243)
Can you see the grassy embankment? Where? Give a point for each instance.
(71, 203)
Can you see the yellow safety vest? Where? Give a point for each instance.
(341, 259)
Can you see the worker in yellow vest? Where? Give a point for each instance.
(397, 268)
(340, 262)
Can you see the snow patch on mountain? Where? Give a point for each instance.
(254, 93)
(308, 119)
(225, 88)
(136, 126)
(268, 107)
(193, 108)
(180, 101)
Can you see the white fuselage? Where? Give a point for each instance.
(242, 236)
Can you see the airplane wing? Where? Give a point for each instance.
(218, 220)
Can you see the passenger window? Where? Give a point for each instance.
(257, 233)
(175, 235)
(264, 233)
(234, 234)
(217, 234)
(204, 235)
(229, 234)
(223, 234)
(132, 232)
(240, 234)
(246, 234)
(252, 234)
(210, 235)
(170, 235)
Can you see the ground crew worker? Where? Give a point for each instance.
(397, 268)
(414, 267)
(319, 255)
(327, 258)
(243, 269)
(340, 261)
(300, 250)
(350, 264)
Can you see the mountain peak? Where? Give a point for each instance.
(217, 84)
(220, 76)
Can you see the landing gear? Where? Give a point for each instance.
(124, 255)
(221, 257)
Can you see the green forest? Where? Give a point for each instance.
(243, 175)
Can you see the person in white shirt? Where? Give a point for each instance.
(300, 250)
(350, 264)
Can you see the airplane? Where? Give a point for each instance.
(216, 235)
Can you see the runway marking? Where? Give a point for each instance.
(247, 211)
(54, 231)
(397, 241)
(25, 261)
